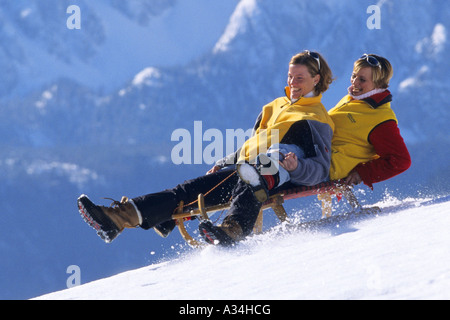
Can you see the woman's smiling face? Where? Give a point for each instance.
(300, 81)
(361, 82)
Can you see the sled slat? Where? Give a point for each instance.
(186, 236)
(257, 229)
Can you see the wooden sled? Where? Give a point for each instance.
(324, 191)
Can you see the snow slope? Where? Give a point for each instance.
(403, 253)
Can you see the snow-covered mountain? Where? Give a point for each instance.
(117, 40)
(401, 254)
(92, 110)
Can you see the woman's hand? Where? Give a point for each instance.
(353, 178)
(290, 162)
(213, 169)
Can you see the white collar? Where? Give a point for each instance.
(367, 94)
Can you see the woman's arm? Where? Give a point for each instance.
(315, 167)
(394, 156)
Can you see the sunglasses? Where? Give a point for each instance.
(314, 55)
(371, 60)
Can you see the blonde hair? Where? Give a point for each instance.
(326, 76)
(380, 76)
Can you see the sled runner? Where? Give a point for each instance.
(324, 191)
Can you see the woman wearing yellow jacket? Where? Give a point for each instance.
(296, 129)
(367, 145)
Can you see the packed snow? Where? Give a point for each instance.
(401, 253)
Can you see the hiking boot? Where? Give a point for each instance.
(262, 177)
(109, 222)
(226, 235)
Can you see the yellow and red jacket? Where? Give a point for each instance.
(367, 139)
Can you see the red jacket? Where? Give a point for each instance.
(394, 156)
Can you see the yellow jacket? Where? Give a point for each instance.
(277, 121)
(354, 121)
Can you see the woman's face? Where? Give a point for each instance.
(361, 82)
(300, 81)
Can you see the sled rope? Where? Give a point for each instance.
(208, 192)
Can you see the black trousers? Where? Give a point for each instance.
(159, 207)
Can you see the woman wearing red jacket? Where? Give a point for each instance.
(367, 145)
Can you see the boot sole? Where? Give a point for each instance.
(94, 217)
(214, 235)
